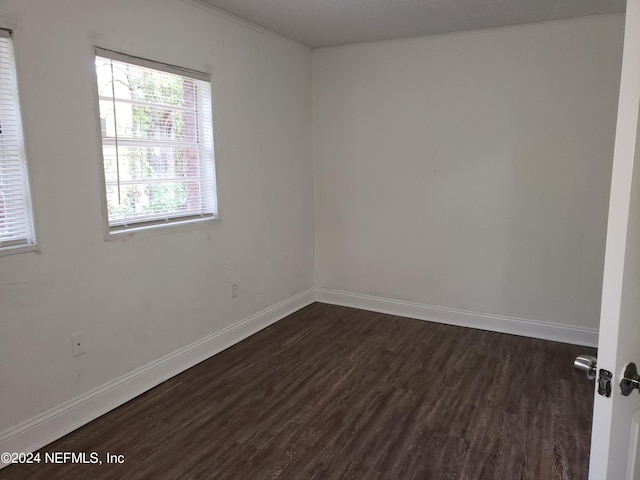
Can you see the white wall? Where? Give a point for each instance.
(469, 170)
(142, 297)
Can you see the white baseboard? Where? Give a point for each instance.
(452, 316)
(43, 429)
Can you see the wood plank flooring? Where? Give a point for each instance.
(338, 393)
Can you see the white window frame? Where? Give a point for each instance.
(13, 157)
(206, 150)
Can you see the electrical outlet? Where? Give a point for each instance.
(234, 290)
(78, 344)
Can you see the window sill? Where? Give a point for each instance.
(173, 225)
(18, 249)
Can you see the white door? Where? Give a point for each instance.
(619, 342)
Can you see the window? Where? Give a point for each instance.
(16, 218)
(157, 142)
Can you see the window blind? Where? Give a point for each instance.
(157, 142)
(16, 220)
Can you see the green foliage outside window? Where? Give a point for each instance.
(154, 166)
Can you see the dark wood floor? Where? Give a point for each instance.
(333, 392)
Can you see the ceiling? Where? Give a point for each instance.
(321, 23)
